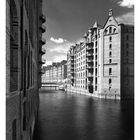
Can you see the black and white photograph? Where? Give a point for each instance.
(69, 70)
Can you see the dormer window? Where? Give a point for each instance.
(114, 30)
(110, 30)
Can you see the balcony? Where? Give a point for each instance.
(43, 18)
(72, 77)
(41, 72)
(42, 51)
(89, 48)
(89, 60)
(43, 61)
(72, 56)
(89, 44)
(90, 82)
(89, 54)
(43, 28)
(89, 75)
(89, 67)
(42, 41)
(72, 61)
(72, 69)
(72, 65)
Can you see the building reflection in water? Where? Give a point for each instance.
(75, 117)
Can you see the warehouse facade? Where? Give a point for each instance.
(24, 52)
(109, 61)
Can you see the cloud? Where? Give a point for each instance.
(48, 63)
(58, 50)
(59, 40)
(127, 18)
(80, 40)
(126, 3)
(59, 58)
(63, 48)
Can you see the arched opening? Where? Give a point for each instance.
(13, 47)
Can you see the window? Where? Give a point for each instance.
(114, 30)
(110, 71)
(127, 37)
(127, 45)
(96, 64)
(110, 46)
(110, 30)
(110, 81)
(96, 80)
(110, 60)
(96, 50)
(127, 53)
(95, 36)
(96, 44)
(96, 57)
(110, 54)
(95, 88)
(96, 71)
(110, 38)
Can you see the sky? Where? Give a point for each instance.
(68, 20)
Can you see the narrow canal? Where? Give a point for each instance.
(76, 117)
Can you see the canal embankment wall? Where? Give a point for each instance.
(82, 91)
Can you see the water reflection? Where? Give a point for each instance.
(77, 117)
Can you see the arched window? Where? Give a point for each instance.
(114, 30)
(110, 30)
(110, 60)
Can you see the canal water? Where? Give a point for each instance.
(65, 116)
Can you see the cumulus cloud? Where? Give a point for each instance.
(80, 40)
(59, 40)
(61, 48)
(59, 58)
(126, 3)
(127, 18)
(47, 63)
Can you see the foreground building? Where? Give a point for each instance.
(57, 72)
(109, 61)
(24, 51)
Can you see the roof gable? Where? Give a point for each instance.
(110, 20)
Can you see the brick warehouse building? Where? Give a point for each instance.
(109, 61)
(24, 52)
(57, 72)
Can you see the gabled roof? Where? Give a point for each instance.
(95, 24)
(110, 17)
